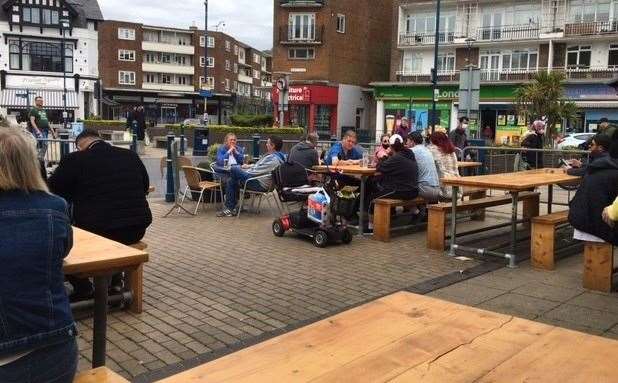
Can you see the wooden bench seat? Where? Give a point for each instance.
(382, 215)
(99, 375)
(599, 266)
(436, 226)
(542, 242)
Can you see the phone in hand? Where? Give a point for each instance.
(564, 163)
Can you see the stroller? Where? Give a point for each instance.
(324, 209)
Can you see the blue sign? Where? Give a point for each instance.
(205, 93)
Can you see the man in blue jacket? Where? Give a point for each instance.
(345, 151)
(240, 174)
(230, 151)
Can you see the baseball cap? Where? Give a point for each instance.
(394, 138)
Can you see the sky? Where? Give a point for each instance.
(249, 21)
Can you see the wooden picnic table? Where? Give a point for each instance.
(406, 337)
(468, 164)
(514, 183)
(98, 257)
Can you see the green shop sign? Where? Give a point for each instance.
(447, 92)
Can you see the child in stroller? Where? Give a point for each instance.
(324, 211)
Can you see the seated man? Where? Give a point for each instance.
(304, 153)
(107, 188)
(240, 174)
(344, 152)
(599, 148)
(398, 173)
(428, 182)
(230, 151)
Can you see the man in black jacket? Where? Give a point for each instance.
(399, 173)
(304, 153)
(107, 188)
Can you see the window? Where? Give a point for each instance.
(40, 56)
(166, 79)
(166, 58)
(228, 65)
(520, 60)
(301, 53)
(413, 62)
(202, 41)
(613, 56)
(301, 26)
(211, 42)
(341, 23)
(210, 84)
(126, 34)
(235, 49)
(31, 15)
(256, 93)
(183, 80)
(150, 58)
(50, 17)
(228, 46)
(578, 57)
(584, 11)
(126, 55)
(126, 78)
(235, 68)
(211, 62)
(227, 84)
(241, 55)
(256, 74)
(256, 58)
(202, 61)
(446, 62)
(150, 78)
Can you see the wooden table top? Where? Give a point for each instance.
(92, 253)
(406, 337)
(513, 181)
(468, 164)
(346, 169)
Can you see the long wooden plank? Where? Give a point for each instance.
(346, 169)
(518, 181)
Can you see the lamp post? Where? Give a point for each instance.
(469, 42)
(65, 25)
(206, 60)
(434, 71)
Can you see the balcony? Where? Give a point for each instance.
(508, 32)
(286, 37)
(446, 76)
(168, 68)
(168, 87)
(591, 73)
(591, 28)
(414, 39)
(245, 79)
(510, 75)
(167, 48)
(301, 3)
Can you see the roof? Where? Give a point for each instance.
(83, 9)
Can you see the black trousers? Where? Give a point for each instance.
(127, 236)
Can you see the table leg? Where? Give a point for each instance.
(511, 257)
(100, 321)
(550, 197)
(361, 212)
(455, 195)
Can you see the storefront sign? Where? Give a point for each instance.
(590, 92)
(447, 92)
(300, 94)
(37, 82)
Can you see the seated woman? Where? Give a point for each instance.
(382, 150)
(399, 173)
(37, 336)
(443, 152)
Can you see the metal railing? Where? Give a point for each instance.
(508, 32)
(445, 76)
(584, 73)
(286, 36)
(302, 3)
(590, 28)
(508, 75)
(411, 39)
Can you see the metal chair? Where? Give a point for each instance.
(255, 194)
(196, 185)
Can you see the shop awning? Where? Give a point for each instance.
(52, 99)
(109, 102)
(597, 104)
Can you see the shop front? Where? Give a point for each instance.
(313, 107)
(595, 101)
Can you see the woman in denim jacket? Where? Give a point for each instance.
(37, 331)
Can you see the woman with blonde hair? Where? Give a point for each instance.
(37, 336)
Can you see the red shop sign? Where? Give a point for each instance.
(297, 94)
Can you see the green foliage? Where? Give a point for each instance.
(545, 97)
(212, 152)
(249, 120)
(104, 124)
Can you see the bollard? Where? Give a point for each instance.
(256, 147)
(134, 137)
(182, 139)
(64, 144)
(170, 195)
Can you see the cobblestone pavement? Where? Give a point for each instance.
(214, 283)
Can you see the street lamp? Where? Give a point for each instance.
(64, 25)
(206, 61)
(434, 71)
(469, 42)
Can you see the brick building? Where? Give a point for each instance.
(333, 50)
(164, 70)
(510, 41)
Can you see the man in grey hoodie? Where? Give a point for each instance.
(304, 153)
(240, 174)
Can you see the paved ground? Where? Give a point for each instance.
(215, 285)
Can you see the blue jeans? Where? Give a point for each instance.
(52, 364)
(43, 143)
(236, 181)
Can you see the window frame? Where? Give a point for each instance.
(296, 49)
(123, 53)
(613, 48)
(306, 27)
(341, 23)
(130, 74)
(578, 49)
(129, 32)
(211, 41)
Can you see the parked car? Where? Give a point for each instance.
(193, 122)
(573, 140)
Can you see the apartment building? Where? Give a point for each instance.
(49, 45)
(332, 50)
(510, 41)
(164, 70)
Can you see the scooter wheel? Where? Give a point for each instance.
(278, 229)
(346, 236)
(320, 238)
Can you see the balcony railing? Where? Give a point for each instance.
(301, 3)
(519, 75)
(590, 73)
(590, 28)
(446, 76)
(411, 39)
(287, 36)
(508, 32)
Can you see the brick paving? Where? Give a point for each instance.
(215, 283)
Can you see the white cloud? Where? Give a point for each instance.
(249, 21)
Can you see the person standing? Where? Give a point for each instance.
(459, 137)
(305, 153)
(533, 139)
(404, 128)
(37, 331)
(107, 188)
(39, 125)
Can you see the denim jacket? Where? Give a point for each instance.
(35, 237)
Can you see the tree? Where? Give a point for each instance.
(544, 96)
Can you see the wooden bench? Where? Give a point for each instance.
(99, 375)
(599, 266)
(542, 242)
(382, 215)
(436, 225)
